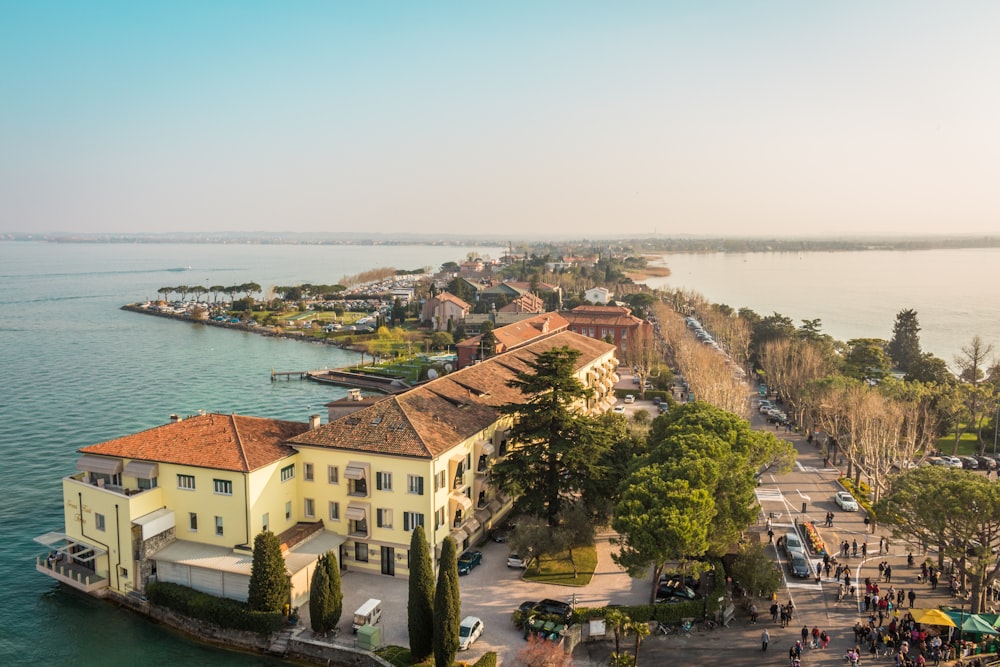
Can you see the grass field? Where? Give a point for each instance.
(559, 570)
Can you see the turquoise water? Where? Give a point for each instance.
(77, 370)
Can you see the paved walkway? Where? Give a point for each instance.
(814, 485)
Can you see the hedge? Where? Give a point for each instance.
(223, 612)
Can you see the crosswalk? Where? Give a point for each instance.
(769, 495)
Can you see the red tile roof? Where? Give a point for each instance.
(434, 417)
(223, 442)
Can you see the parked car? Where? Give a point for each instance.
(630, 398)
(969, 462)
(468, 632)
(500, 535)
(986, 463)
(846, 501)
(952, 461)
(675, 591)
(553, 608)
(799, 566)
(689, 581)
(527, 606)
(469, 560)
(619, 409)
(515, 560)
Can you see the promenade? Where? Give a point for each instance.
(815, 603)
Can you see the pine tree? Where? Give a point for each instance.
(269, 588)
(336, 608)
(447, 606)
(420, 605)
(904, 348)
(319, 598)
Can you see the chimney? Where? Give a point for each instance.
(354, 394)
(313, 422)
(174, 418)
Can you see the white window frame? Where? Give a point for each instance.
(99, 521)
(186, 482)
(309, 508)
(307, 472)
(334, 510)
(223, 487)
(383, 517)
(288, 473)
(332, 475)
(415, 484)
(383, 481)
(219, 528)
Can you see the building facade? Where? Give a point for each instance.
(183, 501)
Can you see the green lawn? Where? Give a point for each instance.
(559, 570)
(968, 444)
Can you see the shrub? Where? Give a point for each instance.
(487, 660)
(223, 612)
(861, 492)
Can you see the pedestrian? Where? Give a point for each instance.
(774, 612)
(900, 596)
(765, 639)
(864, 550)
(888, 573)
(881, 570)
(912, 596)
(815, 638)
(819, 571)
(805, 635)
(854, 548)
(824, 640)
(881, 541)
(753, 614)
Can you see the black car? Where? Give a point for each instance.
(469, 560)
(799, 566)
(553, 608)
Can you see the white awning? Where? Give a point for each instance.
(99, 464)
(471, 526)
(355, 512)
(462, 501)
(142, 469)
(459, 536)
(354, 471)
(487, 449)
(82, 552)
(482, 515)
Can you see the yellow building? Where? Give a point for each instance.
(183, 501)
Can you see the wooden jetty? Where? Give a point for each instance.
(288, 375)
(345, 378)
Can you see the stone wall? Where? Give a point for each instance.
(318, 652)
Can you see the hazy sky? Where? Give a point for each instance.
(520, 118)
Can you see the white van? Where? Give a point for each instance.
(369, 613)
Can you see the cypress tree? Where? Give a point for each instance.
(336, 607)
(319, 598)
(447, 606)
(420, 605)
(269, 588)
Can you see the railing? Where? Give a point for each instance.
(71, 574)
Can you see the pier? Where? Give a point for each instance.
(288, 375)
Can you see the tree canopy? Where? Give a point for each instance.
(447, 606)
(269, 588)
(904, 346)
(420, 603)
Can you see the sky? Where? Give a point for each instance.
(578, 118)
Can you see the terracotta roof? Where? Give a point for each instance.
(603, 315)
(526, 286)
(223, 442)
(514, 335)
(448, 296)
(432, 418)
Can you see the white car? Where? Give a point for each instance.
(619, 409)
(630, 398)
(468, 632)
(952, 461)
(846, 501)
(516, 561)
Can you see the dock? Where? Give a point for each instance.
(345, 378)
(288, 375)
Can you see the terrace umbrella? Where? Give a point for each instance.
(932, 617)
(973, 623)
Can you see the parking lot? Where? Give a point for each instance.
(492, 591)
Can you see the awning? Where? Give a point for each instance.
(494, 506)
(471, 526)
(459, 536)
(462, 501)
(355, 513)
(142, 469)
(354, 472)
(483, 515)
(99, 464)
(487, 449)
(82, 552)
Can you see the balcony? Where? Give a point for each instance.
(72, 574)
(99, 483)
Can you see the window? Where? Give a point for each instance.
(415, 484)
(287, 473)
(383, 518)
(288, 510)
(357, 487)
(310, 508)
(334, 511)
(442, 476)
(146, 484)
(307, 472)
(192, 522)
(218, 525)
(383, 481)
(185, 482)
(361, 552)
(483, 463)
(438, 518)
(99, 521)
(411, 520)
(332, 475)
(459, 480)
(223, 487)
(265, 522)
